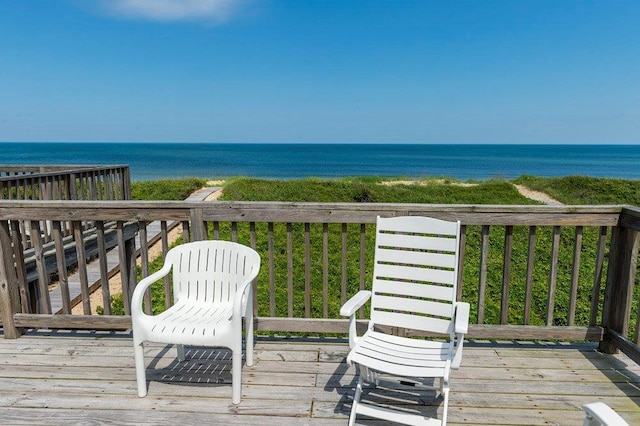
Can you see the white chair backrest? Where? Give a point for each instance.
(415, 273)
(211, 271)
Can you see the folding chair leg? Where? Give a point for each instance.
(356, 400)
(445, 405)
(141, 376)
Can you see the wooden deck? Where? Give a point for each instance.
(88, 378)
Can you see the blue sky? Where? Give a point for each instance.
(540, 71)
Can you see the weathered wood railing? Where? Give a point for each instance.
(527, 270)
(65, 182)
(74, 182)
(96, 183)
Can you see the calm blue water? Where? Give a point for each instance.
(285, 161)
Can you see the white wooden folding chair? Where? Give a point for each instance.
(414, 287)
(212, 283)
(600, 414)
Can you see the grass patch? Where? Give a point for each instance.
(165, 189)
(581, 190)
(359, 190)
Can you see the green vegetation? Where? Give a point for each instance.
(373, 190)
(586, 190)
(567, 190)
(165, 189)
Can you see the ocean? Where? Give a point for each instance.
(150, 161)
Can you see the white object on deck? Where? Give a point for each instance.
(414, 287)
(599, 413)
(212, 283)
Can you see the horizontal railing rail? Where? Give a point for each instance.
(534, 272)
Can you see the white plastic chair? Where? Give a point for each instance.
(212, 283)
(600, 414)
(414, 287)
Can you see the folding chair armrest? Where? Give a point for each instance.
(599, 413)
(462, 318)
(350, 308)
(461, 327)
(355, 303)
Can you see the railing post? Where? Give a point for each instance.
(130, 255)
(619, 288)
(9, 292)
(73, 189)
(126, 183)
(198, 228)
(127, 256)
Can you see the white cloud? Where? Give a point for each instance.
(216, 11)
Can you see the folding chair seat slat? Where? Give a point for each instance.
(409, 345)
(400, 370)
(395, 416)
(413, 359)
(416, 354)
(394, 319)
(382, 339)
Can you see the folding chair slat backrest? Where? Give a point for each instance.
(415, 274)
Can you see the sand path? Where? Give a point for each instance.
(538, 196)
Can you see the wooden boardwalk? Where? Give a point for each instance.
(88, 378)
(113, 259)
(93, 271)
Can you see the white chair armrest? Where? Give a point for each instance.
(138, 292)
(350, 308)
(237, 301)
(461, 327)
(599, 413)
(355, 303)
(462, 318)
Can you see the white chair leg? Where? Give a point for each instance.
(356, 400)
(181, 353)
(141, 376)
(236, 377)
(249, 340)
(445, 405)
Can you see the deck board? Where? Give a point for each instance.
(89, 378)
